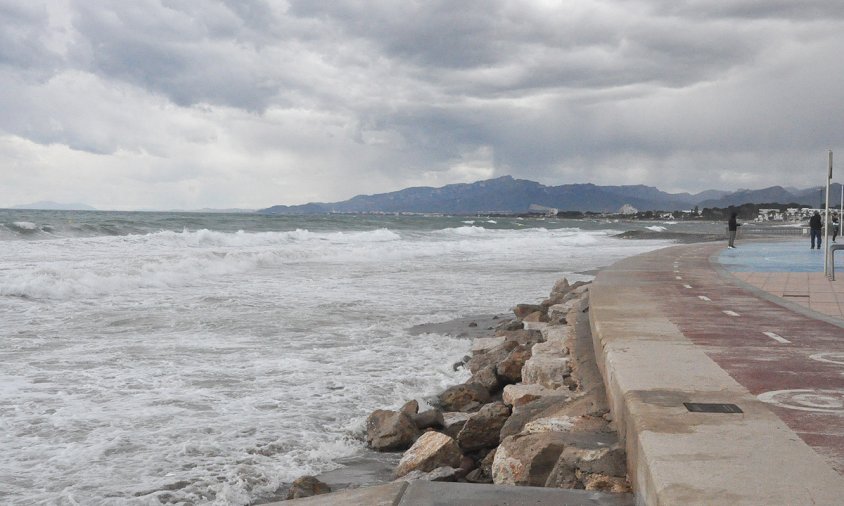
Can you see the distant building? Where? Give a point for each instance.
(548, 211)
(627, 209)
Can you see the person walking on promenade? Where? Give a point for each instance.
(815, 227)
(835, 226)
(732, 228)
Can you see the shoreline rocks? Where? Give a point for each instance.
(533, 411)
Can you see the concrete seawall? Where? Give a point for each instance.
(651, 368)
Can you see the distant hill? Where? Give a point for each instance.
(810, 197)
(55, 206)
(508, 195)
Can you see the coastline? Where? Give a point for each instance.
(556, 392)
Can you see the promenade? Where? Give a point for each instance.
(724, 370)
(678, 332)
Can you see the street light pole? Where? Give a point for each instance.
(826, 219)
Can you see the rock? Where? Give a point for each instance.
(465, 397)
(453, 422)
(522, 310)
(601, 483)
(439, 474)
(430, 451)
(483, 474)
(562, 310)
(481, 430)
(510, 325)
(390, 430)
(555, 412)
(560, 287)
(550, 348)
(509, 370)
(536, 316)
(482, 345)
(487, 378)
(307, 486)
(548, 371)
(431, 418)
(524, 337)
(410, 407)
(473, 324)
(521, 393)
(560, 335)
(594, 454)
(478, 476)
(527, 460)
(492, 356)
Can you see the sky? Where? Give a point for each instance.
(188, 104)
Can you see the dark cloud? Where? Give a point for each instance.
(319, 100)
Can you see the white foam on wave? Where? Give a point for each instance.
(103, 266)
(25, 225)
(656, 228)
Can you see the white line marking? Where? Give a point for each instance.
(687, 286)
(678, 277)
(777, 337)
(704, 297)
(730, 313)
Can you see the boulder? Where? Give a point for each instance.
(410, 407)
(390, 430)
(555, 412)
(527, 459)
(602, 483)
(552, 348)
(426, 419)
(522, 310)
(558, 311)
(536, 316)
(481, 345)
(430, 451)
(547, 370)
(510, 325)
(524, 337)
(307, 486)
(509, 370)
(465, 397)
(560, 287)
(483, 473)
(487, 378)
(481, 430)
(593, 454)
(491, 357)
(560, 337)
(521, 393)
(439, 474)
(453, 422)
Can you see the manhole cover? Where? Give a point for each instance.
(710, 407)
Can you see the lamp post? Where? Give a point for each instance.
(826, 219)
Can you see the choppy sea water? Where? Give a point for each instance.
(150, 358)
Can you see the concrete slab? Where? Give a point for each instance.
(421, 493)
(380, 495)
(659, 344)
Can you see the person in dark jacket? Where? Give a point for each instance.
(835, 226)
(815, 226)
(732, 228)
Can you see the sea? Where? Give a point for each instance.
(203, 358)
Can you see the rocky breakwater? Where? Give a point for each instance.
(533, 412)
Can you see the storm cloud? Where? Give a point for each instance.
(189, 104)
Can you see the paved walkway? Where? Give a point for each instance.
(672, 327)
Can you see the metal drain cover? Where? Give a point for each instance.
(708, 407)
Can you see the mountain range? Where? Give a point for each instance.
(508, 195)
